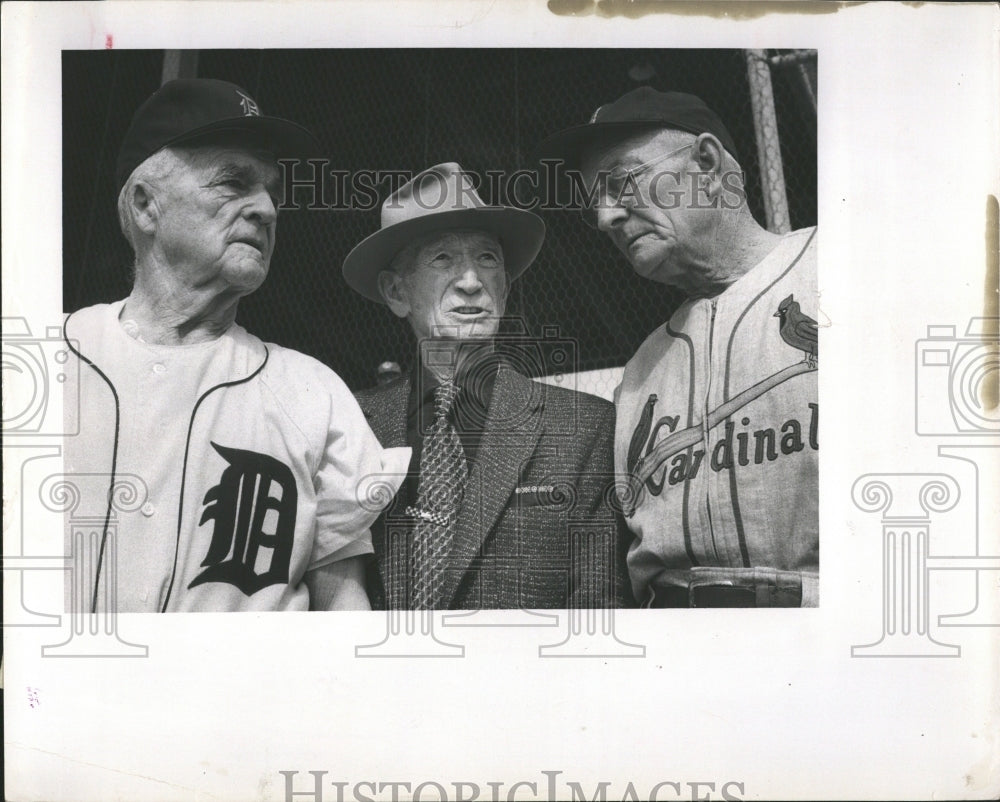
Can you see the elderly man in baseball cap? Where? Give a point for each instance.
(501, 464)
(228, 473)
(717, 412)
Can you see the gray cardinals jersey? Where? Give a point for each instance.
(717, 428)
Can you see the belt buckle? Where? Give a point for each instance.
(724, 593)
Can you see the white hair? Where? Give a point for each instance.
(165, 161)
(672, 137)
(152, 170)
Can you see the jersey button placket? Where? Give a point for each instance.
(710, 477)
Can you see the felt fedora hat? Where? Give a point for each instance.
(441, 198)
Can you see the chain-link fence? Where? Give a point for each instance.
(406, 110)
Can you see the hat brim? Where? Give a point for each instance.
(570, 143)
(520, 232)
(283, 138)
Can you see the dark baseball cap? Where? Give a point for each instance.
(642, 109)
(189, 109)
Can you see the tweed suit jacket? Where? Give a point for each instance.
(539, 525)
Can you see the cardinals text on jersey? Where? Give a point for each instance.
(718, 420)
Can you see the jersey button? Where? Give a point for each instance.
(159, 367)
(148, 509)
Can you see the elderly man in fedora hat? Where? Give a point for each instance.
(230, 474)
(502, 466)
(717, 412)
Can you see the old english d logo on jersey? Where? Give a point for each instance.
(253, 507)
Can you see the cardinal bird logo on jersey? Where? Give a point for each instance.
(679, 455)
(253, 507)
(798, 329)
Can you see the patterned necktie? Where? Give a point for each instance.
(443, 474)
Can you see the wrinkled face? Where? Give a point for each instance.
(216, 217)
(455, 286)
(651, 217)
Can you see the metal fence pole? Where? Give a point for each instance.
(772, 174)
(179, 64)
(796, 60)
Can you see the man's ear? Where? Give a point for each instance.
(390, 287)
(709, 153)
(144, 207)
(506, 292)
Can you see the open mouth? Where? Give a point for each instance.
(470, 311)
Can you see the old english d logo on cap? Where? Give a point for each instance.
(249, 105)
(186, 110)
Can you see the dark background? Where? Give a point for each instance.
(407, 110)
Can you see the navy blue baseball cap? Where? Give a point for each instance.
(188, 109)
(642, 109)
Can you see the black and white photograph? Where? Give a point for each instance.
(534, 490)
(515, 417)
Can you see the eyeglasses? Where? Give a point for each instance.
(615, 184)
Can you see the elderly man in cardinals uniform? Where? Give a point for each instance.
(717, 412)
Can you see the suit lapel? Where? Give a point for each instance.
(513, 426)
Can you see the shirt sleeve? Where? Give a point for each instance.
(356, 479)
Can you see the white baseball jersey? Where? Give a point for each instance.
(237, 467)
(717, 418)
